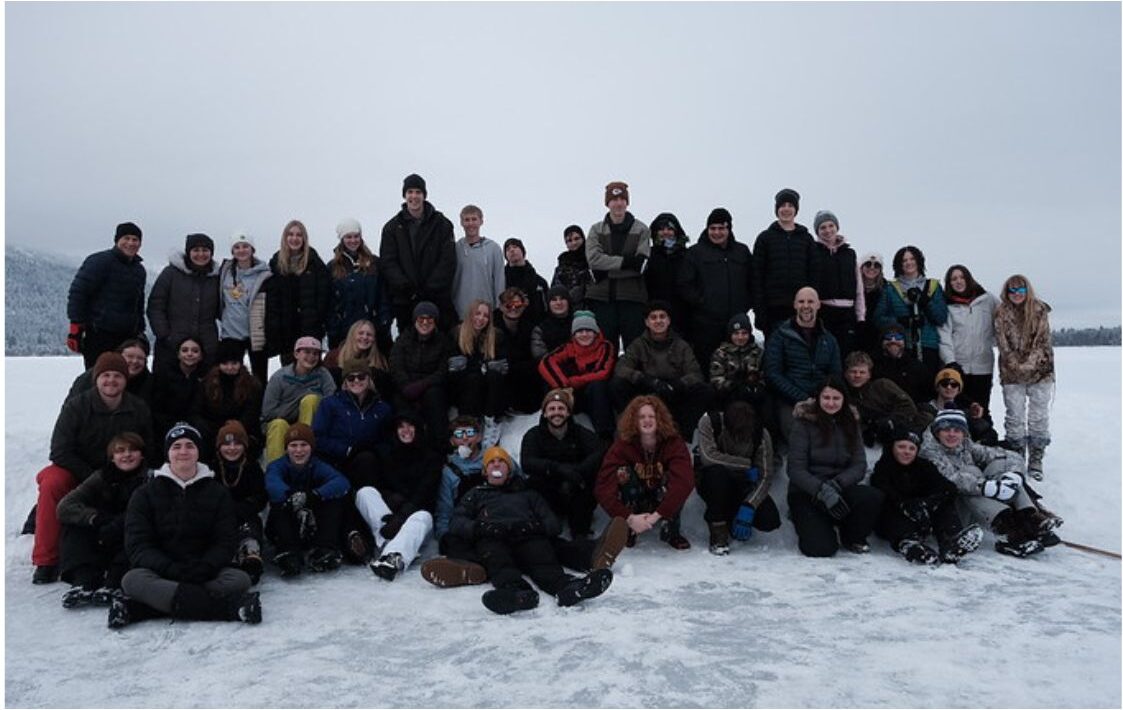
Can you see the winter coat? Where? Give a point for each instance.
(479, 274)
(781, 265)
(1023, 359)
(360, 295)
(533, 285)
(174, 396)
(508, 504)
(107, 293)
(105, 493)
(906, 372)
(551, 333)
(139, 385)
(414, 359)
(242, 312)
(812, 461)
(185, 303)
(457, 477)
(894, 308)
(212, 415)
(670, 468)
(882, 401)
(918, 480)
(296, 304)
(85, 426)
(716, 282)
(967, 336)
(793, 370)
(574, 366)
(343, 426)
(419, 268)
(283, 478)
(964, 465)
(836, 277)
(520, 357)
(733, 366)
(605, 251)
(169, 524)
(408, 477)
(246, 483)
(285, 389)
(722, 449)
(542, 452)
(671, 360)
(573, 273)
(661, 276)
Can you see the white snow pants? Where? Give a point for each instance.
(1035, 398)
(408, 540)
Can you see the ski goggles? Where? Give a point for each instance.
(464, 432)
(894, 336)
(1018, 289)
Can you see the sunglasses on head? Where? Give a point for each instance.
(357, 377)
(894, 336)
(949, 383)
(1017, 289)
(464, 432)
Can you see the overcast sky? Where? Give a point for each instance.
(987, 134)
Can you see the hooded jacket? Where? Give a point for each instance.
(243, 318)
(732, 366)
(664, 266)
(572, 272)
(185, 303)
(1023, 358)
(107, 293)
(533, 285)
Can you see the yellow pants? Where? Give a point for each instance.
(277, 428)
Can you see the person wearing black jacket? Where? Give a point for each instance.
(901, 366)
(717, 281)
(781, 263)
(419, 366)
(520, 273)
(297, 295)
(418, 256)
(105, 305)
(524, 386)
(243, 477)
(180, 535)
(919, 502)
(227, 392)
(185, 302)
(668, 254)
(140, 379)
(572, 271)
(561, 459)
(93, 524)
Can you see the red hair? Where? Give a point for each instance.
(628, 423)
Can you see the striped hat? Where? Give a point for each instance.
(950, 419)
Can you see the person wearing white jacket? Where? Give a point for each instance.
(967, 336)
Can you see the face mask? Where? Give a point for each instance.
(670, 242)
(463, 451)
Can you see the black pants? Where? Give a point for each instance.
(361, 469)
(705, 337)
(96, 342)
(946, 525)
(816, 528)
(432, 408)
(506, 561)
(724, 489)
(978, 388)
(570, 503)
(842, 323)
(284, 530)
(478, 393)
(621, 322)
(525, 387)
(86, 563)
(595, 399)
(687, 404)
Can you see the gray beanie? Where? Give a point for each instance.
(426, 308)
(824, 216)
(584, 320)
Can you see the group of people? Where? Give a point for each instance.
(352, 456)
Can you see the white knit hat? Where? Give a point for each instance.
(348, 226)
(241, 237)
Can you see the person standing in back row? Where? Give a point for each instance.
(419, 257)
(617, 248)
(781, 263)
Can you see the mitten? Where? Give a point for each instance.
(999, 489)
(456, 363)
(74, 337)
(296, 501)
(742, 528)
(829, 496)
(306, 524)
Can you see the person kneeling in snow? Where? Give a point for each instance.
(511, 526)
(180, 534)
(992, 484)
(306, 499)
(919, 502)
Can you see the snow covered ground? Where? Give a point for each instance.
(762, 627)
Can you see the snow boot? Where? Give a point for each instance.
(1021, 548)
(289, 563)
(447, 572)
(322, 559)
(587, 587)
(125, 610)
(76, 597)
(1049, 539)
(719, 538)
(1040, 523)
(357, 546)
(103, 596)
(508, 600)
(29, 524)
(671, 534)
(610, 544)
(388, 566)
(858, 547)
(968, 540)
(916, 551)
(1035, 468)
(193, 601)
(1017, 540)
(45, 574)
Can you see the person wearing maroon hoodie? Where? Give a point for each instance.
(585, 365)
(647, 474)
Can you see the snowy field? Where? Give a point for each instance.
(761, 627)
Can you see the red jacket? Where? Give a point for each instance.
(671, 465)
(574, 366)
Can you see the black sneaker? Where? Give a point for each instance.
(289, 564)
(119, 612)
(388, 566)
(76, 597)
(918, 552)
(587, 587)
(249, 608)
(324, 560)
(671, 534)
(508, 601)
(1024, 548)
(45, 574)
(103, 596)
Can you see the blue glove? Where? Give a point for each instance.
(743, 524)
(752, 475)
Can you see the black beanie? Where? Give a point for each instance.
(198, 240)
(230, 350)
(787, 195)
(720, 215)
(516, 242)
(414, 182)
(127, 229)
(574, 228)
(181, 430)
(657, 304)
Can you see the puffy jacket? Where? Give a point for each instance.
(341, 424)
(185, 302)
(510, 503)
(794, 370)
(781, 265)
(415, 359)
(670, 468)
(900, 483)
(605, 252)
(661, 275)
(283, 477)
(296, 304)
(85, 426)
(574, 366)
(967, 336)
(1023, 358)
(671, 359)
(420, 269)
(169, 524)
(894, 308)
(812, 461)
(360, 295)
(107, 293)
(717, 282)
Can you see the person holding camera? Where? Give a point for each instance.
(916, 303)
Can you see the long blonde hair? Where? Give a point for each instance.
(1032, 315)
(285, 255)
(350, 349)
(466, 335)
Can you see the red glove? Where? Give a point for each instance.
(74, 337)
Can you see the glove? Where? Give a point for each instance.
(74, 337)
(525, 528)
(743, 524)
(306, 524)
(414, 390)
(917, 511)
(296, 501)
(829, 496)
(661, 388)
(456, 363)
(752, 474)
(1001, 489)
(633, 262)
(391, 525)
(490, 529)
(499, 366)
(198, 571)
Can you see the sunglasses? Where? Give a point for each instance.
(426, 319)
(515, 303)
(1017, 289)
(949, 383)
(872, 265)
(357, 377)
(464, 433)
(894, 336)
